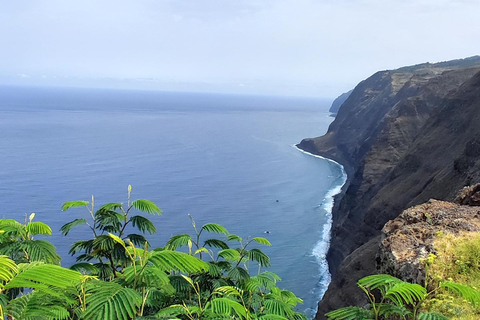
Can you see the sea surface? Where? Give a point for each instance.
(227, 159)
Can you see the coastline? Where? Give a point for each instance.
(322, 246)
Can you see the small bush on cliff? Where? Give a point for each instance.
(392, 298)
(458, 259)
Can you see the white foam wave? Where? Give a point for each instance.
(321, 248)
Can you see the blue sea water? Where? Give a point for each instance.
(227, 159)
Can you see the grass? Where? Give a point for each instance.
(457, 259)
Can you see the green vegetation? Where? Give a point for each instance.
(458, 259)
(119, 276)
(449, 291)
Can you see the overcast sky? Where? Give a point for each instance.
(300, 47)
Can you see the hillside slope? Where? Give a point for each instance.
(404, 136)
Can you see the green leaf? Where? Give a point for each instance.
(143, 224)
(216, 228)
(117, 239)
(112, 206)
(169, 260)
(226, 306)
(238, 274)
(230, 254)
(381, 282)
(432, 316)
(466, 292)
(41, 250)
(40, 275)
(405, 292)
(234, 237)
(178, 241)
(38, 228)
(216, 243)
(350, 313)
(111, 301)
(146, 206)
(74, 204)
(259, 256)
(261, 240)
(8, 269)
(65, 229)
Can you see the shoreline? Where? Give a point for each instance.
(321, 248)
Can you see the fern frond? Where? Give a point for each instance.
(278, 307)
(214, 227)
(37, 227)
(466, 292)
(143, 224)
(238, 274)
(146, 206)
(8, 269)
(261, 240)
(41, 250)
(216, 244)
(405, 292)
(65, 229)
(111, 206)
(259, 256)
(111, 301)
(234, 237)
(381, 282)
(432, 316)
(74, 204)
(168, 260)
(350, 313)
(226, 306)
(230, 254)
(178, 241)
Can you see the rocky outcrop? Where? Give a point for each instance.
(337, 103)
(409, 238)
(404, 136)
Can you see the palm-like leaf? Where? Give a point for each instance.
(35, 305)
(143, 224)
(41, 250)
(111, 206)
(111, 301)
(137, 239)
(8, 269)
(350, 313)
(466, 292)
(74, 204)
(226, 306)
(168, 260)
(234, 237)
(146, 206)
(37, 227)
(216, 243)
(216, 228)
(432, 316)
(229, 254)
(261, 240)
(379, 281)
(238, 274)
(178, 241)
(405, 292)
(260, 257)
(278, 307)
(37, 275)
(65, 229)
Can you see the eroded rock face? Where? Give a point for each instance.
(404, 136)
(409, 238)
(469, 196)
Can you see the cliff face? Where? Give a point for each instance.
(337, 103)
(404, 136)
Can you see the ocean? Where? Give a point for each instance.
(228, 159)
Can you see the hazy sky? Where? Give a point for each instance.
(310, 47)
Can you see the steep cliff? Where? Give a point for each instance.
(337, 103)
(404, 136)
